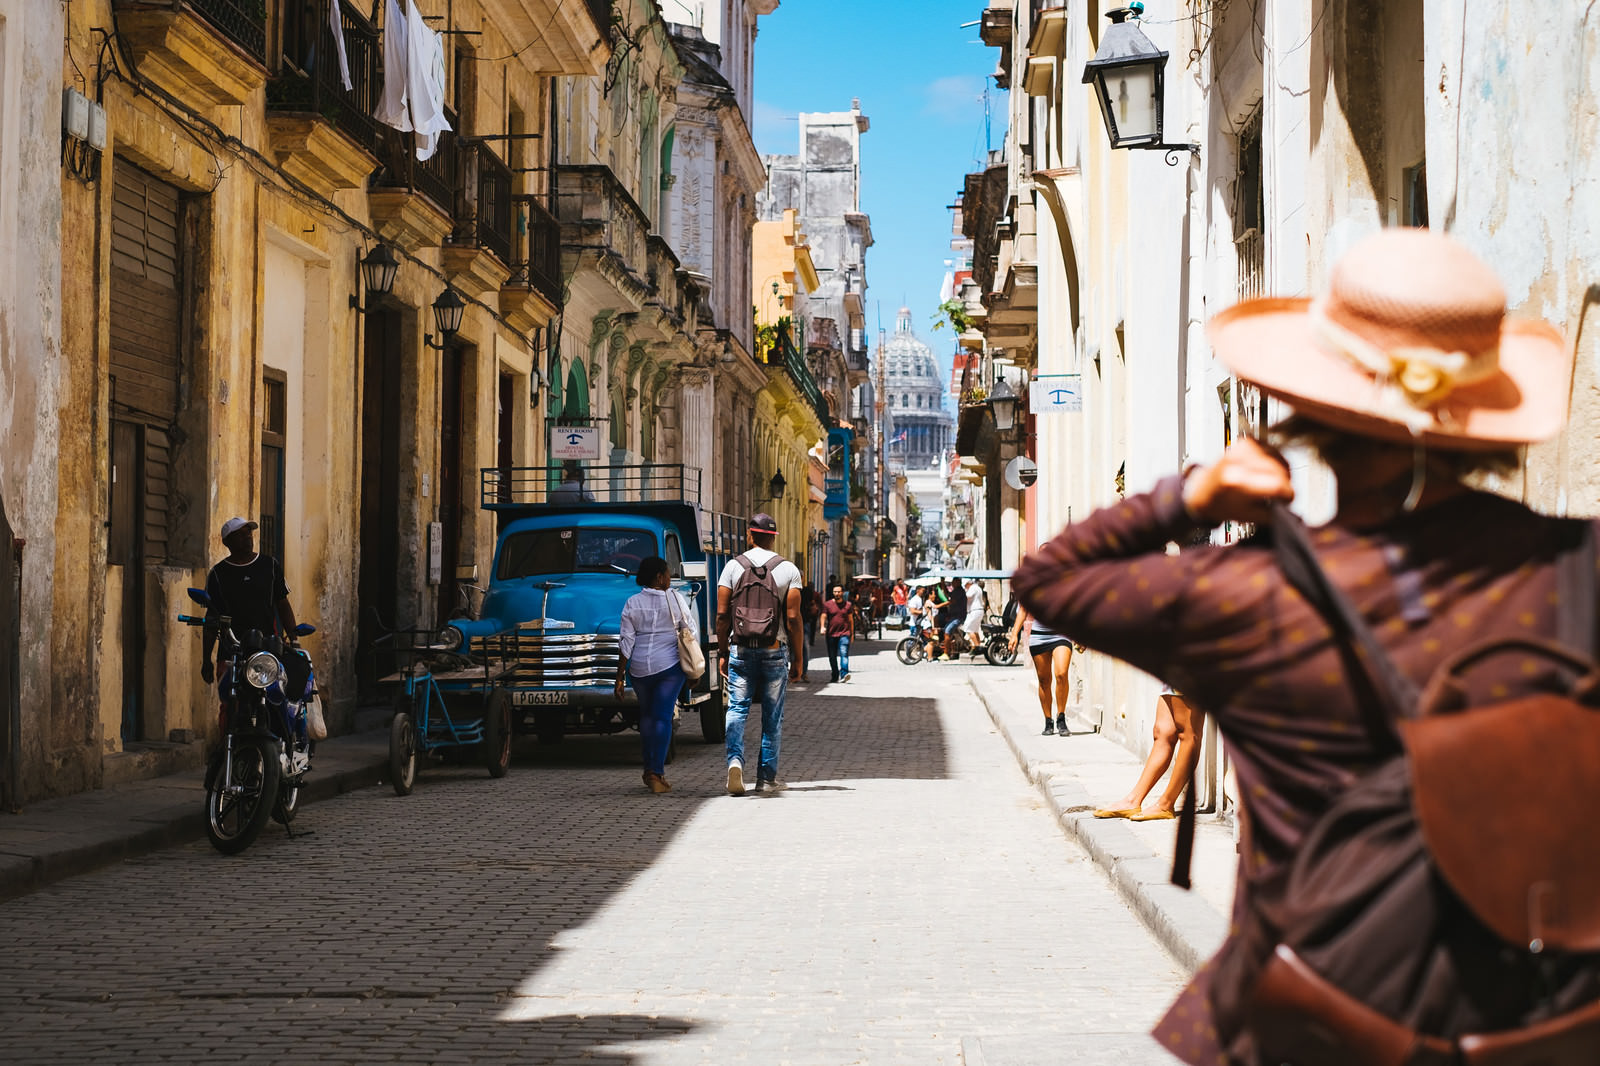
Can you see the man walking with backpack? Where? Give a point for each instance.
(758, 625)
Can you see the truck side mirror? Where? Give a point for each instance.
(694, 570)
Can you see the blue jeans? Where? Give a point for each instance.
(838, 656)
(658, 694)
(757, 673)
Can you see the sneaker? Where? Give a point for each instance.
(1049, 728)
(771, 786)
(735, 779)
(846, 677)
(1061, 724)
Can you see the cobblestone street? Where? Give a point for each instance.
(907, 897)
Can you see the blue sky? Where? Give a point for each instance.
(920, 77)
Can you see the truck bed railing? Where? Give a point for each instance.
(506, 487)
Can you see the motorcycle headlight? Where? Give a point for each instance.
(263, 670)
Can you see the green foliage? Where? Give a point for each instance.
(953, 312)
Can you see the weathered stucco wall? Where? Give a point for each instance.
(31, 384)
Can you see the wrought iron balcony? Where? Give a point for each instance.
(483, 202)
(785, 355)
(244, 22)
(435, 177)
(535, 247)
(599, 215)
(308, 82)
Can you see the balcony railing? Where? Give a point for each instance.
(661, 271)
(598, 213)
(434, 177)
(535, 247)
(308, 79)
(244, 22)
(784, 354)
(483, 208)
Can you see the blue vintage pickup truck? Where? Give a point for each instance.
(561, 574)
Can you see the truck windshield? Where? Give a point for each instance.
(568, 551)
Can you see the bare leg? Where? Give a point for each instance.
(1165, 736)
(1190, 724)
(1060, 660)
(1041, 668)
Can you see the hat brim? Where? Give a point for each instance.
(1272, 343)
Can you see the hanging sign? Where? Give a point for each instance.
(1055, 393)
(574, 442)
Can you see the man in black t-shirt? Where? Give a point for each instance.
(248, 588)
(955, 615)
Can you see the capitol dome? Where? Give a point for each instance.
(915, 389)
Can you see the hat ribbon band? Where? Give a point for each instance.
(1425, 375)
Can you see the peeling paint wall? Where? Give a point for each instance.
(32, 391)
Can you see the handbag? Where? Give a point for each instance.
(690, 657)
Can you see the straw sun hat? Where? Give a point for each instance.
(1410, 342)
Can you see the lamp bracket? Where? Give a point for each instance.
(1172, 150)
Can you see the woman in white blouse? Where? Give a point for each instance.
(650, 657)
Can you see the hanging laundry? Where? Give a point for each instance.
(394, 108)
(425, 87)
(336, 25)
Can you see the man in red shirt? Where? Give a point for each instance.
(839, 618)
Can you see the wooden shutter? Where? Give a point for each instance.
(146, 330)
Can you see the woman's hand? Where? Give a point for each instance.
(1011, 644)
(1239, 487)
(617, 691)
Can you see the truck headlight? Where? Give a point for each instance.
(450, 639)
(263, 670)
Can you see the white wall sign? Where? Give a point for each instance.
(1055, 393)
(435, 552)
(574, 442)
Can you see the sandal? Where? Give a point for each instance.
(1116, 812)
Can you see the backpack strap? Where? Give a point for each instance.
(1391, 694)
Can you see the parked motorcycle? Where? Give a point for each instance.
(267, 690)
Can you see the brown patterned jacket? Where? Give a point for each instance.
(1222, 625)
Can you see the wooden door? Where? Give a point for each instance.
(377, 585)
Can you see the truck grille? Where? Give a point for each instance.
(553, 660)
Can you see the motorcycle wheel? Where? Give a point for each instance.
(288, 804)
(402, 753)
(234, 819)
(910, 651)
(497, 732)
(998, 652)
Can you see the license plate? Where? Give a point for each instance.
(539, 699)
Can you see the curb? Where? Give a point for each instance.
(1186, 925)
(176, 824)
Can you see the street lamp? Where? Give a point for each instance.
(1003, 402)
(378, 270)
(777, 486)
(1128, 74)
(447, 312)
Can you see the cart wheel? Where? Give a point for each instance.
(497, 732)
(714, 717)
(403, 753)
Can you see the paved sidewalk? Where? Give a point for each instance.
(1080, 772)
(58, 838)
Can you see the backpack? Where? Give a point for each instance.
(755, 604)
(1446, 906)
